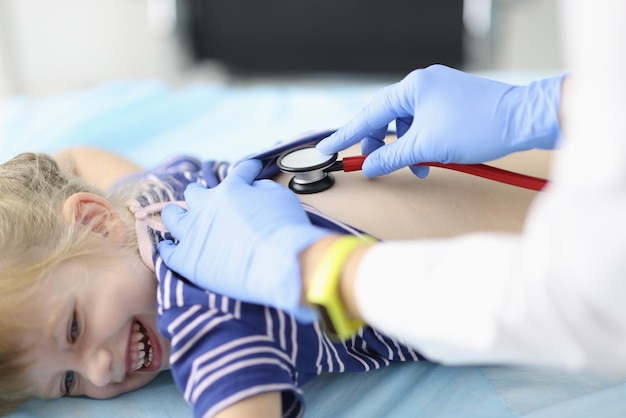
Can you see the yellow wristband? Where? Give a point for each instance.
(323, 292)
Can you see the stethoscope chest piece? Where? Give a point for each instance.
(308, 166)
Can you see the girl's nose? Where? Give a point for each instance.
(99, 368)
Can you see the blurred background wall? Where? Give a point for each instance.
(52, 46)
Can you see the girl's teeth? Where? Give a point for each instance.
(144, 359)
(144, 349)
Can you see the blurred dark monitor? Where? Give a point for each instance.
(373, 36)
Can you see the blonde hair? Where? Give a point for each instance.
(34, 239)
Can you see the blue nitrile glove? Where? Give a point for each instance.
(242, 239)
(447, 116)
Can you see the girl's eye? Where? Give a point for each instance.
(68, 382)
(72, 334)
(73, 331)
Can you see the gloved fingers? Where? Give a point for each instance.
(265, 183)
(420, 171)
(193, 189)
(373, 117)
(393, 156)
(246, 171)
(194, 194)
(388, 104)
(403, 125)
(167, 250)
(374, 140)
(173, 217)
(346, 136)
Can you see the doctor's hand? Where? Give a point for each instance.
(447, 116)
(242, 239)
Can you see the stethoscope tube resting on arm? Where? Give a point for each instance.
(312, 170)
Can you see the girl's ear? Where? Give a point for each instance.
(96, 213)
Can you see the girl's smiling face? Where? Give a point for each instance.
(98, 334)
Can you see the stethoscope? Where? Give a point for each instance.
(312, 170)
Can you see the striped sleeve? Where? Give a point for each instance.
(217, 359)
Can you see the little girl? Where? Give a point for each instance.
(82, 313)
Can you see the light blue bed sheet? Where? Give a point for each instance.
(149, 122)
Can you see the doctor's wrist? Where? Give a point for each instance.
(318, 253)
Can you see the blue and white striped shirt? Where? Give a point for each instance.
(224, 350)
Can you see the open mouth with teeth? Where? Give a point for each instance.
(141, 351)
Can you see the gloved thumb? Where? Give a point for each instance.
(373, 141)
(246, 171)
(172, 217)
(166, 250)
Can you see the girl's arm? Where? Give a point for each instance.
(97, 167)
(264, 405)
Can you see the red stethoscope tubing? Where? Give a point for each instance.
(481, 170)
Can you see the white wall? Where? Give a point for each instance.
(527, 35)
(48, 46)
(5, 82)
(54, 45)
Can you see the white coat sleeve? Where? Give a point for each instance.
(555, 294)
